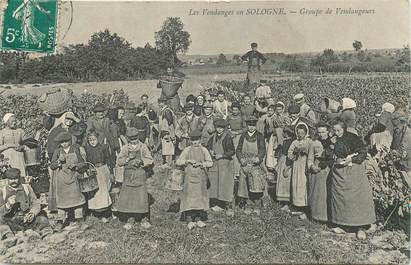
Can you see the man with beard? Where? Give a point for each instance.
(20, 209)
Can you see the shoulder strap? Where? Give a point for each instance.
(4, 191)
(26, 189)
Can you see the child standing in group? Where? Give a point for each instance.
(236, 124)
(65, 162)
(194, 202)
(298, 153)
(222, 149)
(133, 202)
(251, 152)
(98, 155)
(248, 108)
(221, 105)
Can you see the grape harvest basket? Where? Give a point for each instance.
(170, 85)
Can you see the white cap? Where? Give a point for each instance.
(348, 103)
(388, 107)
(299, 96)
(7, 116)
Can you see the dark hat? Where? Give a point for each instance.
(251, 120)
(220, 91)
(191, 97)
(254, 44)
(99, 107)
(207, 105)
(132, 133)
(140, 122)
(188, 107)
(236, 104)
(196, 134)
(293, 109)
(12, 173)
(63, 137)
(78, 129)
(221, 123)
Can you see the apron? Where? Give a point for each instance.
(101, 198)
(133, 195)
(221, 174)
(195, 194)
(351, 196)
(249, 148)
(68, 193)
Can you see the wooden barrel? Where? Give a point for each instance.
(32, 156)
(87, 182)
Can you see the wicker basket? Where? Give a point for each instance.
(56, 102)
(170, 85)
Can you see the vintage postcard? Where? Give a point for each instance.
(205, 132)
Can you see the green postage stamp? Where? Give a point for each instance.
(30, 25)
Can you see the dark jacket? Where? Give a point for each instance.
(228, 145)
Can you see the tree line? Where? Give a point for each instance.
(106, 57)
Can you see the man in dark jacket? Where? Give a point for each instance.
(254, 59)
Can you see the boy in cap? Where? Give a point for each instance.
(221, 175)
(185, 125)
(133, 203)
(254, 60)
(251, 152)
(166, 126)
(194, 202)
(106, 130)
(206, 123)
(20, 209)
(65, 162)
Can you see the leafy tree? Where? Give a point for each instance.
(222, 59)
(357, 45)
(327, 57)
(172, 39)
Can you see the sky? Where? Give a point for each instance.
(388, 27)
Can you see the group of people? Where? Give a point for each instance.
(221, 155)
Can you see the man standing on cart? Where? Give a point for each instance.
(254, 60)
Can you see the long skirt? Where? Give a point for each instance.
(52, 201)
(317, 195)
(222, 180)
(299, 182)
(351, 196)
(236, 163)
(283, 180)
(101, 198)
(133, 196)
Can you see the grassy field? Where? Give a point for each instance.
(274, 237)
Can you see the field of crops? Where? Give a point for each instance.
(275, 237)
